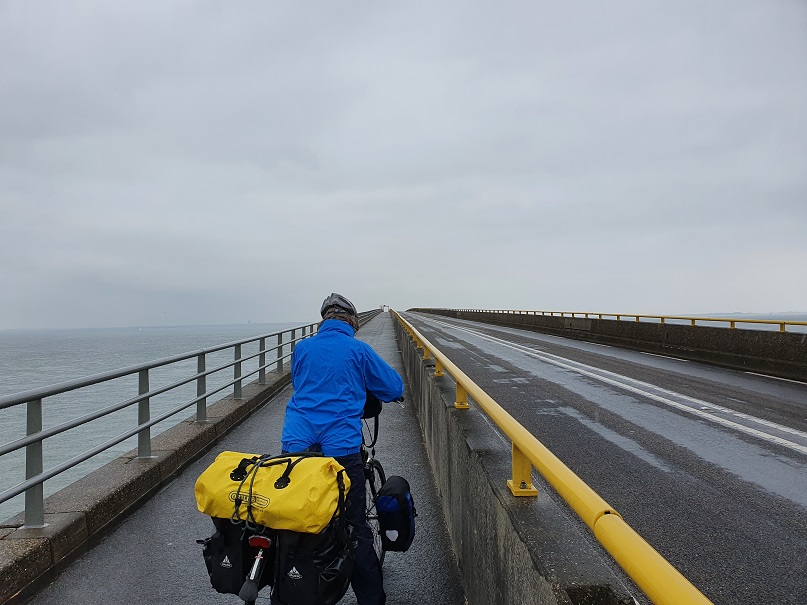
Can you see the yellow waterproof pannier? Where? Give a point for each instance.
(295, 492)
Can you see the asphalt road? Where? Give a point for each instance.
(708, 465)
(153, 557)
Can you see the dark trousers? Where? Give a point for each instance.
(367, 580)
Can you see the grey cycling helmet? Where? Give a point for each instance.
(337, 300)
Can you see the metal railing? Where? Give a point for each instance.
(691, 320)
(35, 476)
(656, 577)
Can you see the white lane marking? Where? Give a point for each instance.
(664, 356)
(592, 372)
(777, 378)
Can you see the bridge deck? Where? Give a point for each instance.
(153, 558)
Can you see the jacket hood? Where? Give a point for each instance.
(336, 325)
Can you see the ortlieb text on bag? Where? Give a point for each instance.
(396, 514)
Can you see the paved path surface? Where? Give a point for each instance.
(708, 465)
(153, 557)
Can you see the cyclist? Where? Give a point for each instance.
(331, 373)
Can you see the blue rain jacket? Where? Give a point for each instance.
(330, 373)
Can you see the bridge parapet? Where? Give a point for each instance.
(51, 532)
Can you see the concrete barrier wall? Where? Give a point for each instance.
(510, 550)
(782, 354)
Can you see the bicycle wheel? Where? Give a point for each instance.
(374, 473)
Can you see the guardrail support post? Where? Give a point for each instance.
(521, 483)
(461, 401)
(237, 373)
(438, 368)
(34, 505)
(280, 353)
(143, 416)
(262, 362)
(426, 353)
(201, 389)
(293, 339)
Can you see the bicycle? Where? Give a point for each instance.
(375, 477)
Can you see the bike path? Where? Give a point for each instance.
(153, 556)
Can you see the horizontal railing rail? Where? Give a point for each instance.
(692, 320)
(35, 476)
(654, 575)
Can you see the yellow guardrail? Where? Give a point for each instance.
(660, 581)
(638, 317)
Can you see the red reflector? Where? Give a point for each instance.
(259, 541)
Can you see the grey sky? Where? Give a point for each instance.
(183, 162)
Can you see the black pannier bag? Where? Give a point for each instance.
(303, 568)
(396, 514)
(229, 557)
(313, 569)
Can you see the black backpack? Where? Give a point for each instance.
(396, 514)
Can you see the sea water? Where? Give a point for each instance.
(38, 358)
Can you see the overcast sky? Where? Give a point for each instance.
(203, 162)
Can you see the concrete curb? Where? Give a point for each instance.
(82, 513)
(510, 550)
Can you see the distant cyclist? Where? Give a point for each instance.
(331, 373)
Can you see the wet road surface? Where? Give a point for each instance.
(708, 465)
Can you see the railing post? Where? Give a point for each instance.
(521, 483)
(280, 353)
(201, 389)
(438, 368)
(426, 353)
(461, 400)
(262, 362)
(237, 373)
(34, 505)
(143, 416)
